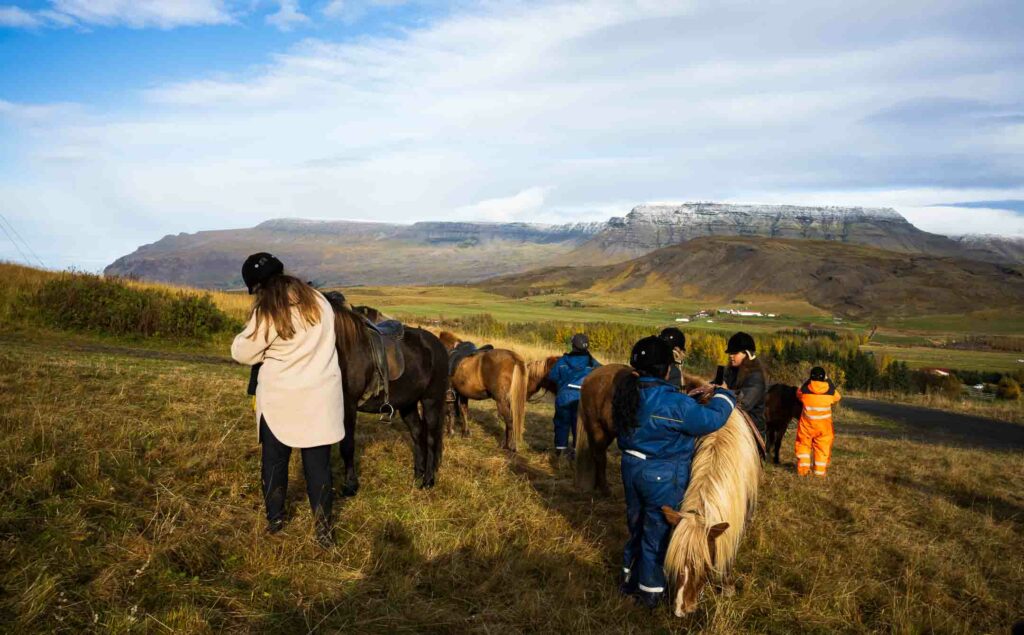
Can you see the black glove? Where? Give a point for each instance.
(254, 375)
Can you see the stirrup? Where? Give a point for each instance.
(386, 417)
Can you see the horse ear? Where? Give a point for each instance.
(672, 517)
(717, 530)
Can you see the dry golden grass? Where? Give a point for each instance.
(131, 503)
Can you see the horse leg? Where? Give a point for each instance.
(414, 422)
(505, 412)
(599, 448)
(728, 585)
(433, 438)
(348, 452)
(464, 415)
(779, 434)
(451, 410)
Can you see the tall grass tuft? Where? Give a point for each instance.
(86, 302)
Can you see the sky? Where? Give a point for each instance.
(122, 121)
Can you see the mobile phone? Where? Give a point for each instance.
(719, 376)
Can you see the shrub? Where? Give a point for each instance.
(86, 302)
(1008, 389)
(927, 383)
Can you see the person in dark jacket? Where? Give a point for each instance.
(677, 340)
(746, 377)
(658, 430)
(568, 374)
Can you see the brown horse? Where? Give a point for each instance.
(417, 395)
(719, 500)
(538, 371)
(780, 407)
(595, 429)
(498, 374)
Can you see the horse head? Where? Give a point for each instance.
(450, 340)
(539, 369)
(693, 575)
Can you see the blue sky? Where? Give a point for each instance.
(125, 120)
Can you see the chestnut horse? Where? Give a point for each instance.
(780, 407)
(719, 499)
(538, 371)
(417, 395)
(498, 374)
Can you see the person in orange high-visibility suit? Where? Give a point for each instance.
(814, 433)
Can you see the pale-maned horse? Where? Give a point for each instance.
(539, 371)
(719, 499)
(498, 374)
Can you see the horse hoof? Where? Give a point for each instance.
(350, 488)
(427, 484)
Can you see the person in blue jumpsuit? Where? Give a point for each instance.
(658, 427)
(568, 374)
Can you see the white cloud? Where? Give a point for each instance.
(288, 16)
(163, 14)
(527, 203)
(605, 103)
(19, 18)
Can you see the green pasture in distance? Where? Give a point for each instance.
(989, 322)
(452, 302)
(924, 357)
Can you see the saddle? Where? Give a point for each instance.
(388, 360)
(463, 351)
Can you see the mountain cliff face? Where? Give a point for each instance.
(650, 227)
(347, 253)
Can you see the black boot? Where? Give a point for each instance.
(274, 526)
(649, 600)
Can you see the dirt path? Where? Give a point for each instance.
(945, 427)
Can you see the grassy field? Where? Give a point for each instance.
(929, 357)
(132, 505)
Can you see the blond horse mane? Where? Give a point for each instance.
(723, 485)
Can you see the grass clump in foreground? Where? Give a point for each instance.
(86, 302)
(132, 504)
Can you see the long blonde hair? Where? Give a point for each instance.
(274, 302)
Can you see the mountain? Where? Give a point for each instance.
(846, 279)
(650, 227)
(1000, 248)
(347, 253)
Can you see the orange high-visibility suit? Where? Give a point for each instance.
(814, 433)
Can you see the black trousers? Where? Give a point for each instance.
(316, 464)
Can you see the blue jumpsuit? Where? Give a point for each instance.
(568, 374)
(656, 457)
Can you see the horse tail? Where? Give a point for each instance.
(517, 400)
(586, 469)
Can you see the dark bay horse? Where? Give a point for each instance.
(498, 374)
(780, 407)
(417, 395)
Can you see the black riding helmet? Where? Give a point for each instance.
(739, 343)
(580, 343)
(818, 373)
(674, 337)
(258, 268)
(651, 355)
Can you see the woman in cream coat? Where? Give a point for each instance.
(299, 402)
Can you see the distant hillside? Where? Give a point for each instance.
(650, 227)
(846, 279)
(348, 253)
(1000, 248)
(351, 253)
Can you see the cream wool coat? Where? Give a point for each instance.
(299, 390)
